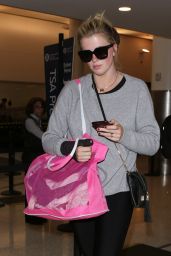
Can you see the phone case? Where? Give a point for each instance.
(100, 124)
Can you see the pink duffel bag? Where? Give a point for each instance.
(63, 189)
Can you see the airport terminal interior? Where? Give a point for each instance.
(24, 40)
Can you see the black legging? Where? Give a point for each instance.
(105, 235)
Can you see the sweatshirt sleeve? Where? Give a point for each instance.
(145, 139)
(57, 128)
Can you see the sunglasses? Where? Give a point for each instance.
(100, 52)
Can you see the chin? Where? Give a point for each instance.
(99, 73)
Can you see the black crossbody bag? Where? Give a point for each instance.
(136, 181)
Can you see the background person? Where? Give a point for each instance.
(133, 128)
(35, 110)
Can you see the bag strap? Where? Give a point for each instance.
(99, 100)
(104, 116)
(81, 106)
(147, 215)
(54, 165)
(51, 164)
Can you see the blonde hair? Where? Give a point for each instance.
(98, 24)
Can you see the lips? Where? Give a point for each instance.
(96, 66)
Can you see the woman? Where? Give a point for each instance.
(35, 110)
(133, 128)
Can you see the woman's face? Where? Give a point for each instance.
(97, 66)
(38, 109)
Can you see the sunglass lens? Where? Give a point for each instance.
(85, 56)
(101, 52)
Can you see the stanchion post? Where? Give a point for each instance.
(11, 163)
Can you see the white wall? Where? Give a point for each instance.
(161, 64)
(22, 46)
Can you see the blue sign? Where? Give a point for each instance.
(68, 45)
(52, 80)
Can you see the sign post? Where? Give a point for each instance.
(58, 69)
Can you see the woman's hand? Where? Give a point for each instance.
(113, 132)
(83, 154)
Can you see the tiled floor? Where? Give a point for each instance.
(20, 239)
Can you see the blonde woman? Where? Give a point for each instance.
(132, 126)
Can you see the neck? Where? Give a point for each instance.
(107, 82)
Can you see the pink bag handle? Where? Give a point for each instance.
(56, 165)
(51, 164)
(81, 106)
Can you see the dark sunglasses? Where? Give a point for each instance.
(100, 52)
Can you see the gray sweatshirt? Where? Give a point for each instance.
(130, 105)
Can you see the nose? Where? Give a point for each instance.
(94, 58)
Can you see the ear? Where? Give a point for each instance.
(115, 49)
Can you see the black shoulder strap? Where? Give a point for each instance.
(99, 100)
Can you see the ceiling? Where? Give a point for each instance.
(147, 16)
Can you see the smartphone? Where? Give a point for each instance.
(100, 124)
(85, 142)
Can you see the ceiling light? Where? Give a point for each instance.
(141, 54)
(124, 9)
(145, 50)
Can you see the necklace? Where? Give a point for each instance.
(110, 85)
